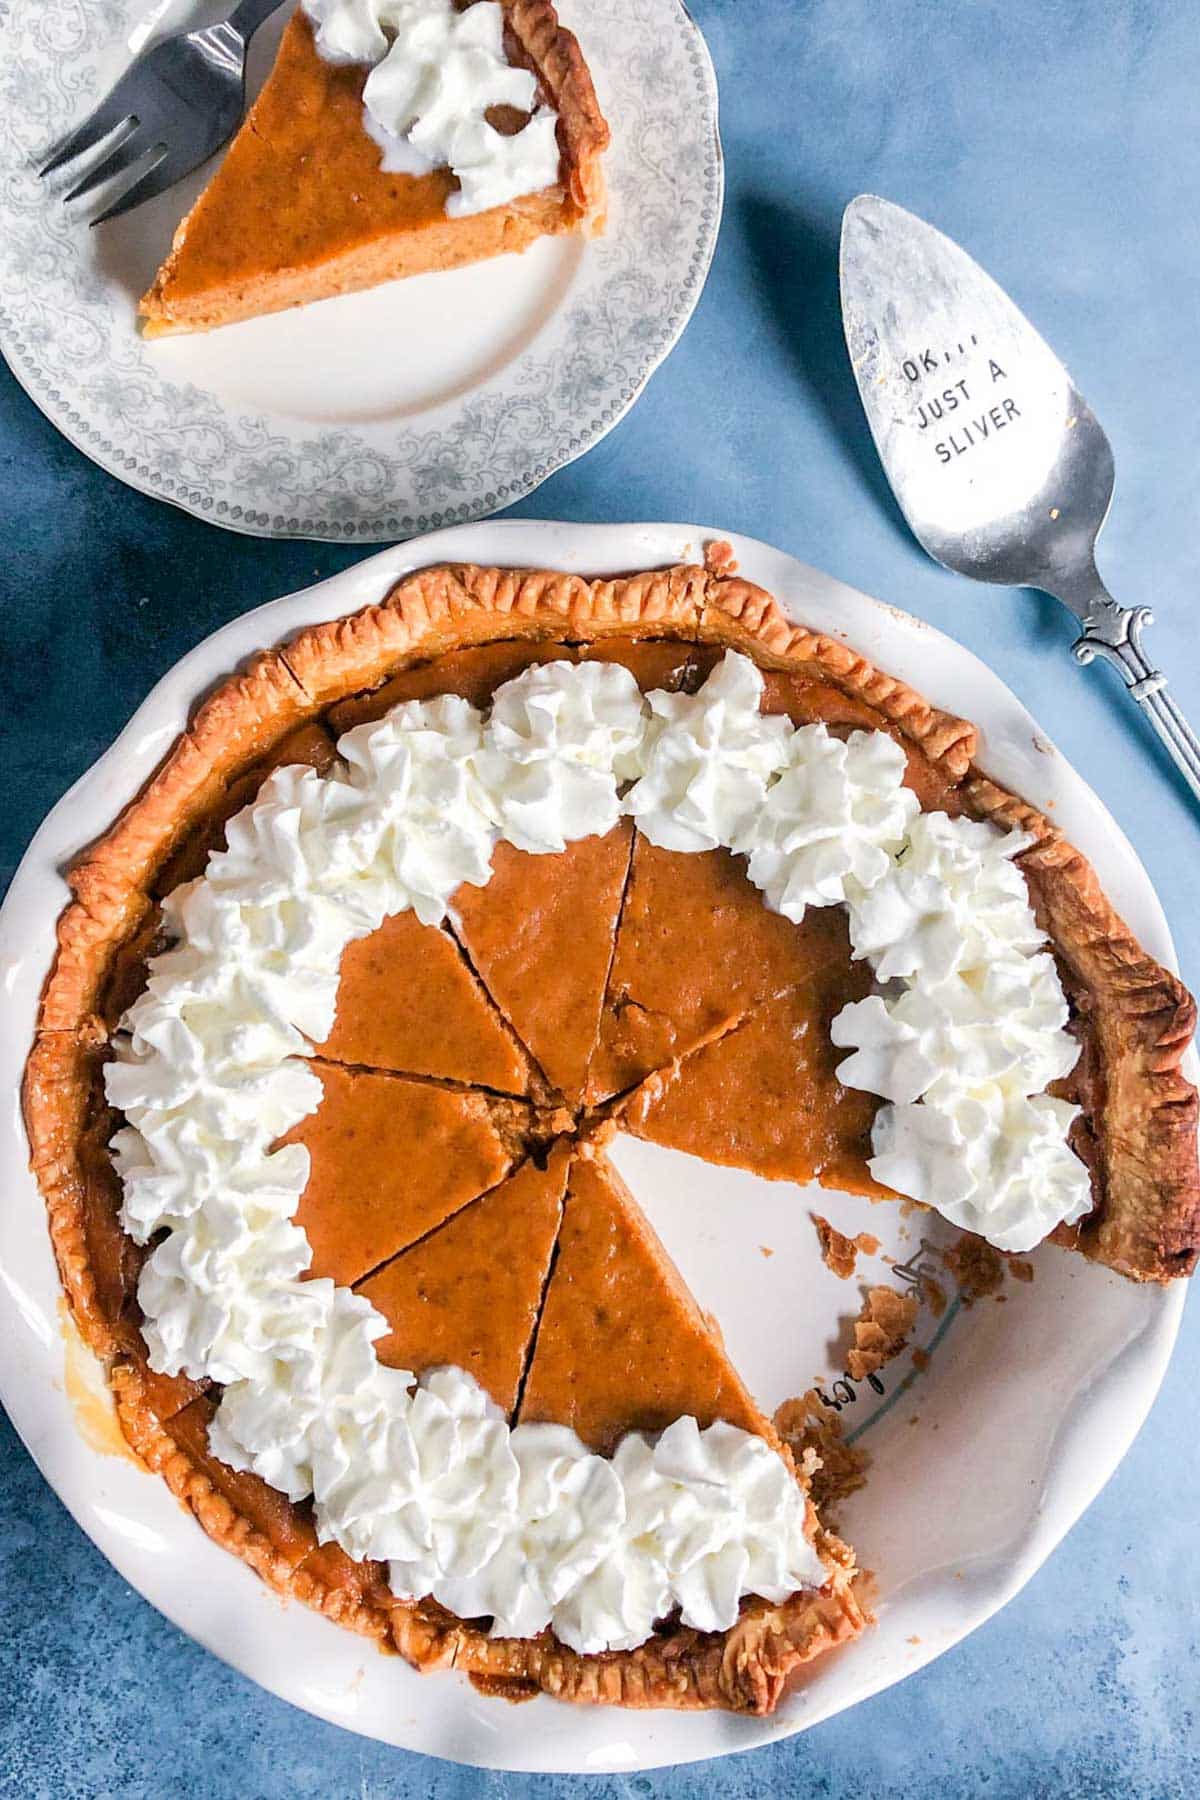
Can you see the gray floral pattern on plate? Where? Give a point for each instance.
(65, 325)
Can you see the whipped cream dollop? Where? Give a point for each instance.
(435, 74)
(831, 822)
(211, 1069)
(707, 761)
(558, 745)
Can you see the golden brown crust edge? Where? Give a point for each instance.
(110, 879)
(555, 54)
(1147, 1224)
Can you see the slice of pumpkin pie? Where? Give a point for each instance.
(392, 1159)
(408, 1001)
(345, 175)
(695, 951)
(765, 1095)
(622, 1346)
(540, 936)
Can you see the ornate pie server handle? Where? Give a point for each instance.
(1114, 633)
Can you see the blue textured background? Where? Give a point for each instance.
(1057, 139)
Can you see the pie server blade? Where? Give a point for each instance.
(997, 461)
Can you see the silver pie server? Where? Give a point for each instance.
(997, 461)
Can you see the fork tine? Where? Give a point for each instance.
(128, 149)
(156, 179)
(111, 112)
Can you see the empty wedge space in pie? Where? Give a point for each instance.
(389, 142)
(423, 907)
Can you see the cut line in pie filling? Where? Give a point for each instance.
(404, 1321)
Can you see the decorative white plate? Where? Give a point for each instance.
(416, 405)
(981, 1460)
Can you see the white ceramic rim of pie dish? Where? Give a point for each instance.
(158, 1548)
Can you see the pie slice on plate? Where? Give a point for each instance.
(703, 975)
(307, 203)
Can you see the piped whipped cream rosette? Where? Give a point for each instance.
(829, 824)
(707, 761)
(557, 750)
(210, 1071)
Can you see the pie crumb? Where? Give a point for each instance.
(881, 1330)
(912, 1640)
(766, 1250)
(935, 1295)
(719, 558)
(868, 1244)
(975, 1266)
(838, 1252)
(1019, 1270)
(814, 1434)
(920, 1359)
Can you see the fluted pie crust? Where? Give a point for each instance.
(1134, 1019)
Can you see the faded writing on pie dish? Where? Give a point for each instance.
(434, 898)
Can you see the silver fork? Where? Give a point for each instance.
(176, 104)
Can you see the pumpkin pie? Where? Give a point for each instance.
(685, 1011)
(301, 208)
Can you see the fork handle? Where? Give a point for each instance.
(1114, 633)
(247, 18)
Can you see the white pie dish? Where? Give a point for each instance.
(1091, 1347)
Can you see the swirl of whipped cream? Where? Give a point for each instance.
(991, 1161)
(435, 74)
(425, 823)
(570, 1505)
(1005, 1023)
(222, 1293)
(951, 898)
(709, 1515)
(831, 821)
(210, 1071)
(707, 761)
(558, 743)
